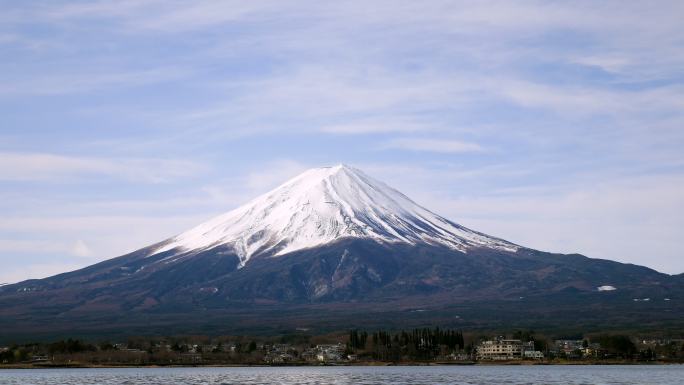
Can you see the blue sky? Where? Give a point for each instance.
(555, 125)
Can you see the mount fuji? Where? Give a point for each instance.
(334, 248)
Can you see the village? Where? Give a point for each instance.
(420, 346)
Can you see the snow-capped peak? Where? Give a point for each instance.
(322, 205)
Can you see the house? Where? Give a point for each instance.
(569, 347)
(279, 358)
(39, 358)
(325, 353)
(279, 353)
(592, 350)
(308, 355)
(330, 355)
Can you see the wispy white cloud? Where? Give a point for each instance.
(97, 9)
(632, 220)
(28, 270)
(159, 16)
(48, 240)
(76, 82)
(432, 145)
(17, 246)
(374, 126)
(51, 167)
(584, 100)
(202, 14)
(81, 249)
(79, 223)
(272, 174)
(45, 246)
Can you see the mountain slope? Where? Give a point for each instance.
(326, 250)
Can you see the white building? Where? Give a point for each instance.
(503, 349)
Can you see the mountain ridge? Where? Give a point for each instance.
(374, 251)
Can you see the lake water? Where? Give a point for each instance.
(470, 375)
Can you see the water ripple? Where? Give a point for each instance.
(401, 375)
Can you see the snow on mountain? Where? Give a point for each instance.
(606, 288)
(322, 205)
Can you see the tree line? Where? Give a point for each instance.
(416, 344)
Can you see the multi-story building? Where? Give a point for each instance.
(503, 349)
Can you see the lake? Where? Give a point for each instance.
(470, 375)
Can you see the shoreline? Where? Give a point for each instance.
(357, 364)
